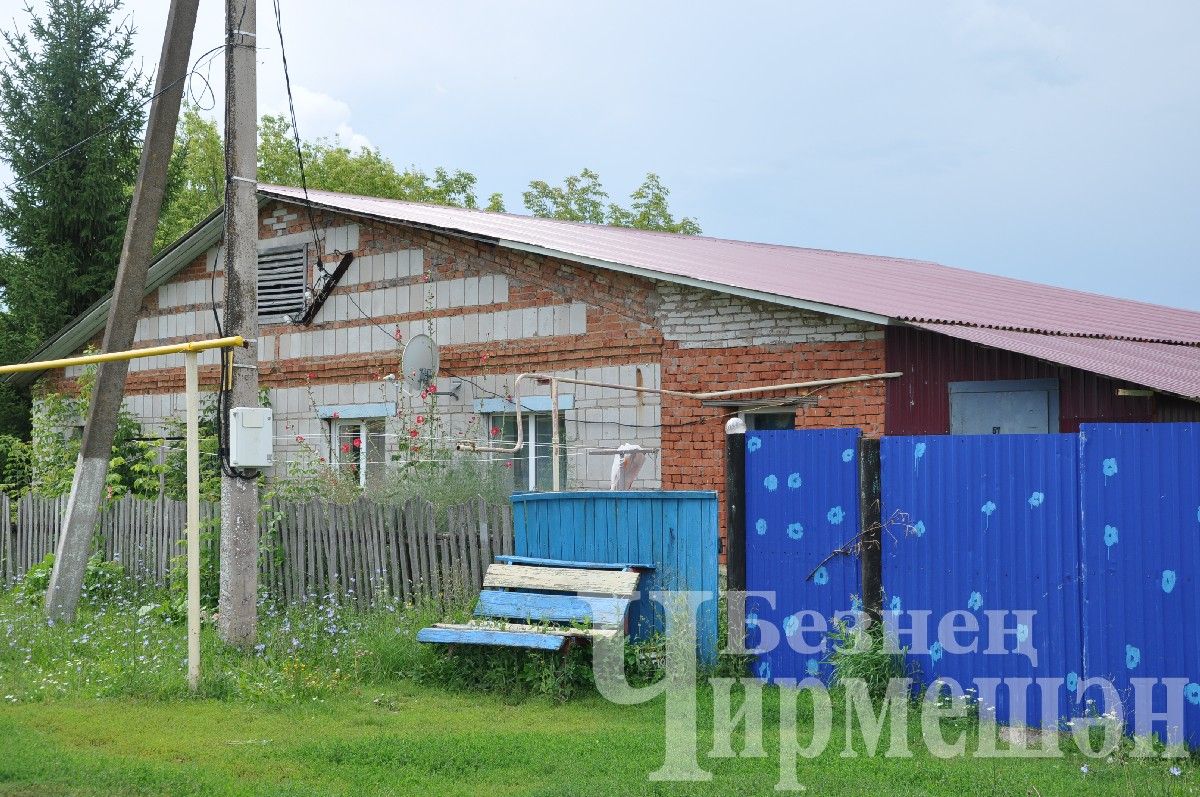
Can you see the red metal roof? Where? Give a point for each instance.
(1171, 368)
(1086, 330)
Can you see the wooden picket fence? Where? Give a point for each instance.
(363, 551)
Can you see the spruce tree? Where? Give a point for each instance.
(71, 118)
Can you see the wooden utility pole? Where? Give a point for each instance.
(91, 469)
(239, 492)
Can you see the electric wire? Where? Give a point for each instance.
(191, 73)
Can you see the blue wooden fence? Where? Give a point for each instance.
(801, 506)
(676, 531)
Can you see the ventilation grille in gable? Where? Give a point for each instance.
(282, 277)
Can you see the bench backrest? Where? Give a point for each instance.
(547, 590)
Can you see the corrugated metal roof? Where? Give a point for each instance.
(1162, 366)
(911, 290)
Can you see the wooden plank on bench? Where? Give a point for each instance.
(561, 579)
(526, 628)
(487, 636)
(551, 608)
(535, 561)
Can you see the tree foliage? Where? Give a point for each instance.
(197, 181)
(195, 177)
(582, 197)
(71, 115)
(330, 165)
(68, 80)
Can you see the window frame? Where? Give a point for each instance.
(364, 434)
(530, 445)
(749, 417)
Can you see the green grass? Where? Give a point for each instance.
(386, 726)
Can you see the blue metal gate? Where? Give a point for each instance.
(1097, 535)
(982, 523)
(1140, 537)
(801, 508)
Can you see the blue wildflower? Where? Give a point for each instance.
(752, 620)
(1110, 466)
(919, 528)
(753, 444)
(856, 603)
(771, 483)
(975, 601)
(1168, 580)
(795, 531)
(1192, 693)
(935, 652)
(848, 455)
(836, 515)
(790, 625)
(760, 526)
(1072, 682)
(1022, 632)
(1036, 499)
(918, 451)
(813, 667)
(1110, 536)
(895, 604)
(794, 480)
(821, 577)
(764, 670)
(987, 509)
(1133, 656)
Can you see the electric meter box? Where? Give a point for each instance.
(251, 438)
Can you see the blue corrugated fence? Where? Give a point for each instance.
(1074, 557)
(801, 507)
(981, 525)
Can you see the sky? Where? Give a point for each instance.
(1053, 142)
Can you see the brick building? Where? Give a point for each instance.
(504, 294)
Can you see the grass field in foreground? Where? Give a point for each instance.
(410, 739)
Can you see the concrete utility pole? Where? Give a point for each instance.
(91, 469)
(238, 607)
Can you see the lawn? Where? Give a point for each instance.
(90, 709)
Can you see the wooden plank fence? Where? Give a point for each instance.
(362, 551)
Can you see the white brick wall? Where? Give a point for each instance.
(699, 318)
(601, 417)
(484, 327)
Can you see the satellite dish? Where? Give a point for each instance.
(420, 362)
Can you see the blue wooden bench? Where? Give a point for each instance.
(540, 604)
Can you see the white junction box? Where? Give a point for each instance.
(251, 438)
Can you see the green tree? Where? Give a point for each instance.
(71, 115)
(582, 197)
(195, 178)
(197, 172)
(330, 165)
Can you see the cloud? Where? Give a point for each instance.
(1011, 45)
(321, 116)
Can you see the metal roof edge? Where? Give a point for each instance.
(1050, 333)
(167, 264)
(771, 298)
(1097, 367)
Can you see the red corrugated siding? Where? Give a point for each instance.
(1177, 410)
(919, 401)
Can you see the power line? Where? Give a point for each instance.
(287, 81)
(193, 72)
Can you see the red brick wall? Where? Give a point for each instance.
(693, 436)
